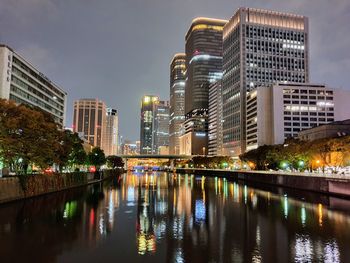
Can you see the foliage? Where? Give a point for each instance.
(114, 161)
(27, 136)
(211, 162)
(30, 137)
(97, 157)
(261, 158)
(77, 154)
(300, 155)
(332, 152)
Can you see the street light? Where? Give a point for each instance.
(301, 164)
(203, 151)
(284, 165)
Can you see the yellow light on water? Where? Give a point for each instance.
(320, 214)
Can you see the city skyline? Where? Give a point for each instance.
(111, 75)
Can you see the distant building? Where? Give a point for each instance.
(138, 145)
(260, 47)
(130, 148)
(146, 125)
(24, 84)
(89, 118)
(203, 67)
(330, 130)
(110, 138)
(177, 100)
(283, 110)
(215, 119)
(160, 126)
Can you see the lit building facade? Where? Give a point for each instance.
(160, 126)
(194, 135)
(260, 47)
(203, 67)
(177, 100)
(130, 148)
(284, 110)
(146, 126)
(24, 84)
(110, 138)
(215, 119)
(89, 119)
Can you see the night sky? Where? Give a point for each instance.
(119, 50)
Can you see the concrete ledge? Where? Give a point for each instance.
(326, 184)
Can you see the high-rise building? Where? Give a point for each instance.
(203, 66)
(260, 47)
(23, 83)
(281, 111)
(110, 138)
(138, 143)
(146, 125)
(215, 119)
(177, 100)
(89, 119)
(160, 126)
(154, 131)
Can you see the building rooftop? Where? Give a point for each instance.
(206, 21)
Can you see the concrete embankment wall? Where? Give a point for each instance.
(335, 185)
(12, 189)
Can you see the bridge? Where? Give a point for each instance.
(171, 158)
(156, 156)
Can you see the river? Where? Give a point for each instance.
(165, 217)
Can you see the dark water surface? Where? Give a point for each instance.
(176, 218)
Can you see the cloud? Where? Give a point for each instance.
(120, 49)
(40, 57)
(25, 12)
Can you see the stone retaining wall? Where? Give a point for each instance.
(12, 189)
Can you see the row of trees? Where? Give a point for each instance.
(30, 137)
(215, 162)
(300, 155)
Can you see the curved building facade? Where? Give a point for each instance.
(203, 67)
(177, 100)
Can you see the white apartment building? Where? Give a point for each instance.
(110, 138)
(23, 83)
(281, 111)
(215, 119)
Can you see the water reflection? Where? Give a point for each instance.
(161, 217)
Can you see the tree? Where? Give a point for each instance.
(331, 152)
(97, 157)
(28, 136)
(294, 153)
(261, 158)
(71, 151)
(115, 161)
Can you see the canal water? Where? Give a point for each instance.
(160, 217)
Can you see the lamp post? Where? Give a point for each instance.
(203, 151)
